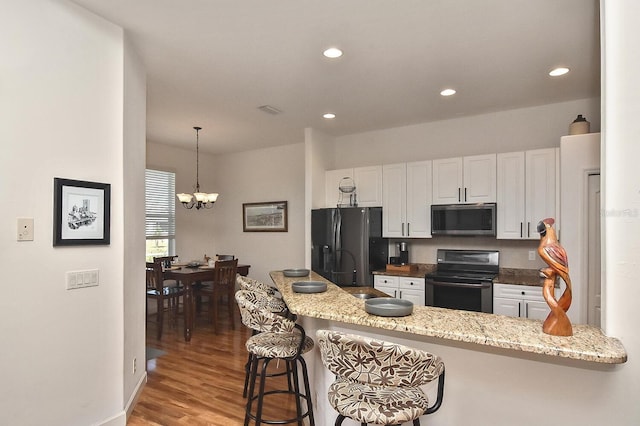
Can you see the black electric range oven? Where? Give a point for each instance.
(463, 280)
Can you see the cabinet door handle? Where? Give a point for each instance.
(519, 310)
(394, 293)
(458, 194)
(408, 232)
(526, 310)
(465, 194)
(400, 294)
(528, 229)
(521, 229)
(403, 229)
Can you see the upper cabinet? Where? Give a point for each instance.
(527, 192)
(406, 200)
(465, 180)
(368, 182)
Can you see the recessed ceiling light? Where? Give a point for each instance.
(558, 71)
(329, 115)
(448, 92)
(332, 52)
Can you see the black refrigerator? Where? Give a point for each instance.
(347, 244)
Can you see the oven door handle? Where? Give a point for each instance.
(459, 285)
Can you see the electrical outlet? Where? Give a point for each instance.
(25, 229)
(135, 365)
(532, 255)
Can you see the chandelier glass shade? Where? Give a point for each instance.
(199, 200)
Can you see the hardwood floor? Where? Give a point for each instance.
(201, 382)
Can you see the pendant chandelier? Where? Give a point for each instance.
(199, 200)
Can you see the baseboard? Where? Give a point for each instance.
(119, 419)
(131, 404)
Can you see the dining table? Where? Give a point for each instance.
(188, 276)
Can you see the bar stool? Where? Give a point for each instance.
(378, 382)
(263, 296)
(271, 304)
(278, 338)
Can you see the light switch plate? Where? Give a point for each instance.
(25, 229)
(81, 279)
(532, 255)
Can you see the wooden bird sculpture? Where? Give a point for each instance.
(554, 255)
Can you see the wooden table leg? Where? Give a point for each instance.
(188, 309)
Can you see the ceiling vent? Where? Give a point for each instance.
(270, 109)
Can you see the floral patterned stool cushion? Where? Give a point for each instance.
(381, 405)
(265, 300)
(378, 382)
(277, 345)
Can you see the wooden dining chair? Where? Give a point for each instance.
(161, 291)
(223, 285)
(225, 257)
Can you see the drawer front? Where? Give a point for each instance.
(385, 280)
(524, 292)
(411, 283)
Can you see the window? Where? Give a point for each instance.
(160, 213)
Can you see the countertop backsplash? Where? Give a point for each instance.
(513, 253)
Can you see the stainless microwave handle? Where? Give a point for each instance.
(459, 285)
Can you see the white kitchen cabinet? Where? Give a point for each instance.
(368, 181)
(407, 288)
(368, 186)
(406, 200)
(463, 180)
(522, 301)
(527, 191)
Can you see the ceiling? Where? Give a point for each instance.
(211, 63)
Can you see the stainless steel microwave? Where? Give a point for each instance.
(463, 219)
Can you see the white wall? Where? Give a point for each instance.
(318, 158)
(135, 113)
(579, 155)
(273, 174)
(620, 182)
(504, 131)
(61, 112)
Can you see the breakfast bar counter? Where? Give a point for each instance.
(487, 330)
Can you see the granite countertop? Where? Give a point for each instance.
(587, 343)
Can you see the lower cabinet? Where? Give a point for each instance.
(407, 288)
(522, 301)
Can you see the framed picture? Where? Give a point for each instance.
(265, 217)
(81, 212)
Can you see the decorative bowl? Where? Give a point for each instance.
(295, 272)
(388, 307)
(309, 287)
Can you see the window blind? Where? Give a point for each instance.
(160, 211)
